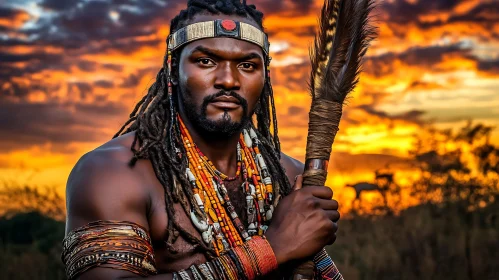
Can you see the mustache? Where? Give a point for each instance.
(210, 98)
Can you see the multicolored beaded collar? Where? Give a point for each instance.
(220, 226)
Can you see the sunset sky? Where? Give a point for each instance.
(72, 70)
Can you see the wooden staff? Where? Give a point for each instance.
(343, 38)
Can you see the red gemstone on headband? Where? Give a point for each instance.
(228, 24)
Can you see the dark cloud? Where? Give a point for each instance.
(74, 25)
(490, 66)
(486, 14)
(303, 6)
(405, 11)
(294, 76)
(414, 116)
(91, 20)
(283, 7)
(34, 63)
(59, 5)
(32, 57)
(424, 85)
(82, 89)
(417, 56)
(10, 13)
(133, 79)
(372, 111)
(398, 14)
(87, 66)
(426, 57)
(10, 19)
(25, 124)
(268, 6)
(346, 163)
(295, 110)
(114, 67)
(104, 84)
(12, 42)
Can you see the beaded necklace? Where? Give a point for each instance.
(220, 226)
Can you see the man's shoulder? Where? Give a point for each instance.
(292, 166)
(105, 159)
(102, 184)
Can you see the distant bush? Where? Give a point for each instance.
(30, 247)
(16, 199)
(427, 241)
(452, 234)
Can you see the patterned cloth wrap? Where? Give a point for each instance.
(127, 246)
(325, 267)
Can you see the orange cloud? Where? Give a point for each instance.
(14, 18)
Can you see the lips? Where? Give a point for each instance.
(226, 98)
(226, 102)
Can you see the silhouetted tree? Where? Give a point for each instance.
(459, 170)
(46, 200)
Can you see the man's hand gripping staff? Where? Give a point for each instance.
(303, 223)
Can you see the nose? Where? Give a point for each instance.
(227, 77)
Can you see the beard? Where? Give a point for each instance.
(223, 127)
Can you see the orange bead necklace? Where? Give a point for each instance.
(221, 227)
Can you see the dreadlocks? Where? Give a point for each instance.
(157, 133)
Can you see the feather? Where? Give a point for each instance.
(319, 56)
(342, 41)
(343, 37)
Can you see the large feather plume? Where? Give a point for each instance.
(343, 37)
(336, 56)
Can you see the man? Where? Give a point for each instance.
(188, 188)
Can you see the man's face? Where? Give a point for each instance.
(220, 81)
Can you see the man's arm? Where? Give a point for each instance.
(292, 166)
(102, 187)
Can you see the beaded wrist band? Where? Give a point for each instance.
(254, 258)
(246, 262)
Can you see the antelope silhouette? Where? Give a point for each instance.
(383, 182)
(363, 186)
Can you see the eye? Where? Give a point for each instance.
(247, 66)
(205, 62)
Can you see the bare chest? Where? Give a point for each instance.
(183, 252)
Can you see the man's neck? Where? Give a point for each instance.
(221, 151)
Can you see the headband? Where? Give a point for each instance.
(218, 28)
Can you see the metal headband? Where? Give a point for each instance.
(218, 28)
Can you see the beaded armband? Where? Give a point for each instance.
(111, 244)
